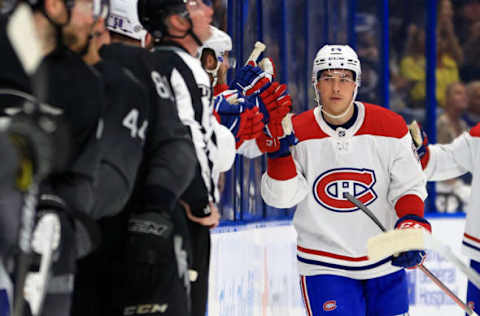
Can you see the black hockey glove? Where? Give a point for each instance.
(149, 251)
(156, 265)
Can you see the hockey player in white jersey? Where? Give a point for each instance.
(250, 102)
(216, 60)
(230, 108)
(340, 146)
(449, 161)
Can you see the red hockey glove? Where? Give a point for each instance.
(242, 118)
(411, 259)
(275, 104)
(251, 125)
(267, 144)
(276, 146)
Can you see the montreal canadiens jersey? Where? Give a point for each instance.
(452, 160)
(373, 160)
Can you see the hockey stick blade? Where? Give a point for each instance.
(22, 35)
(256, 52)
(396, 241)
(46, 239)
(467, 309)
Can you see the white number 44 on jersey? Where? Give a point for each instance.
(131, 122)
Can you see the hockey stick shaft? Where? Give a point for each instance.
(24, 242)
(447, 291)
(22, 35)
(256, 52)
(427, 272)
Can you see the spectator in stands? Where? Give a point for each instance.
(472, 117)
(369, 54)
(450, 124)
(468, 13)
(453, 193)
(412, 65)
(446, 32)
(470, 69)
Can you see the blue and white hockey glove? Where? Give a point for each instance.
(250, 79)
(411, 259)
(242, 118)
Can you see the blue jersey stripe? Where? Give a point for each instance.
(341, 267)
(471, 246)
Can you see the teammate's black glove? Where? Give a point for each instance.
(156, 259)
(149, 251)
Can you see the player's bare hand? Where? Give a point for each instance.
(211, 220)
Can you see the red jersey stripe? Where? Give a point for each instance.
(331, 255)
(471, 237)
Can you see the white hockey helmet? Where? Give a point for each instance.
(336, 57)
(123, 19)
(220, 42)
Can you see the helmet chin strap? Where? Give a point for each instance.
(195, 37)
(336, 116)
(214, 73)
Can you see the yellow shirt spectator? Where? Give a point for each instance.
(413, 68)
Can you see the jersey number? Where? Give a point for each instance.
(131, 122)
(161, 84)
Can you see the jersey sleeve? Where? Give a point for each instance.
(226, 142)
(249, 149)
(283, 185)
(450, 160)
(407, 189)
(170, 159)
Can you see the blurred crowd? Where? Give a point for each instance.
(457, 80)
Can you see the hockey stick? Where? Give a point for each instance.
(396, 241)
(256, 52)
(46, 239)
(21, 33)
(427, 272)
(22, 263)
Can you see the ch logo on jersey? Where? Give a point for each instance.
(329, 306)
(329, 188)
